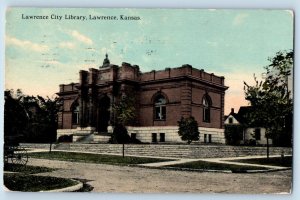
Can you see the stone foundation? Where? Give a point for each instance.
(78, 133)
(61, 132)
(164, 134)
(145, 134)
(167, 150)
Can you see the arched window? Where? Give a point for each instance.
(75, 114)
(206, 109)
(160, 107)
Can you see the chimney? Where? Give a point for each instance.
(232, 110)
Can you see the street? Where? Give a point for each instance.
(110, 178)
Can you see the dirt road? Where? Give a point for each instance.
(109, 178)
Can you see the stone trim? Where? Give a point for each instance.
(144, 134)
(167, 150)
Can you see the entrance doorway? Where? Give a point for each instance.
(103, 114)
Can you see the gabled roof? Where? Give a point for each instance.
(233, 114)
(242, 114)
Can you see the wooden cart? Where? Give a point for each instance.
(13, 152)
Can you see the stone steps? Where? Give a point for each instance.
(180, 151)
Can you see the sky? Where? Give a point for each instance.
(40, 54)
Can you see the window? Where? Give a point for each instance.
(75, 115)
(257, 134)
(230, 120)
(154, 137)
(160, 108)
(133, 136)
(162, 137)
(206, 110)
(209, 138)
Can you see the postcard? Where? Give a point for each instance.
(148, 100)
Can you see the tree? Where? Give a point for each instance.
(233, 134)
(188, 129)
(48, 117)
(125, 111)
(125, 114)
(15, 117)
(33, 117)
(271, 99)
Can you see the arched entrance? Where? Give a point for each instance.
(103, 114)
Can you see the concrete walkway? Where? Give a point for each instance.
(232, 159)
(113, 178)
(217, 160)
(175, 161)
(166, 163)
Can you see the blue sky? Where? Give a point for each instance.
(41, 54)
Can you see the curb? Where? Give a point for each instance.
(215, 171)
(73, 188)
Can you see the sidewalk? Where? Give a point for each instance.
(232, 159)
(114, 178)
(175, 161)
(216, 160)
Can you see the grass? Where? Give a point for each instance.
(24, 181)
(203, 165)
(26, 169)
(287, 161)
(94, 158)
(31, 183)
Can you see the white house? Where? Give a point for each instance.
(250, 134)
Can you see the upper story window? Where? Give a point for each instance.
(160, 107)
(75, 114)
(230, 120)
(206, 109)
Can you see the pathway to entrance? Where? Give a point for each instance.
(110, 178)
(218, 160)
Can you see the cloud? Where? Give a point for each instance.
(68, 45)
(26, 44)
(239, 19)
(82, 38)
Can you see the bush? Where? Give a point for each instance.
(233, 134)
(135, 141)
(250, 142)
(188, 129)
(120, 135)
(65, 138)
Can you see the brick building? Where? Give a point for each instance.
(162, 98)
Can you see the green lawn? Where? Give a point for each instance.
(22, 180)
(31, 183)
(202, 165)
(287, 161)
(94, 158)
(27, 169)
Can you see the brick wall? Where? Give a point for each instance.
(183, 87)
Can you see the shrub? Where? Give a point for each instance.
(120, 135)
(188, 129)
(233, 134)
(65, 138)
